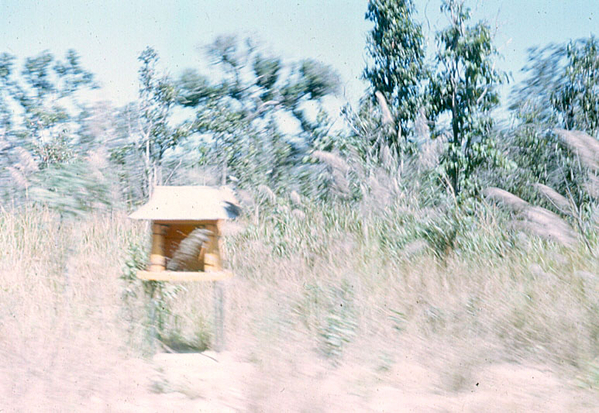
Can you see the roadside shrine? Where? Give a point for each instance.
(187, 225)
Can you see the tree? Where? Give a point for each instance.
(240, 114)
(48, 131)
(6, 83)
(464, 88)
(560, 91)
(48, 154)
(532, 101)
(562, 87)
(6, 117)
(48, 98)
(157, 97)
(577, 100)
(397, 70)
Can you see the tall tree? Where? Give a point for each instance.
(464, 88)
(397, 68)
(157, 97)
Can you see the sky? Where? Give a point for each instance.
(110, 34)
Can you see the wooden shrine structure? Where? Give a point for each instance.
(187, 226)
(186, 232)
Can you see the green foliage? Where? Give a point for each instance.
(158, 96)
(590, 377)
(329, 311)
(371, 244)
(559, 91)
(340, 324)
(46, 134)
(194, 88)
(577, 99)
(155, 297)
(441, 233)
(72, 75)
(160, 295)
(37, 74)
(266, 70)
(532, 100)
(133, 292)
(55, 152)
(397, 68)
(239, 114)
(48, 86)
(6, 69)
(135, 260)
(464, 88)
(72, 188)
(317, 80)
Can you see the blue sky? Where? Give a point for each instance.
(109, 34)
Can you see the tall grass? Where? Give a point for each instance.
(526, 296)
(334, 281)
(61, 332)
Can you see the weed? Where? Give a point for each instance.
(340, 324)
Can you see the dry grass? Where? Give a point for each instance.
(63, 341)
(586, 147)
(317, 297)
(538, 220)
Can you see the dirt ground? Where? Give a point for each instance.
(228, 382)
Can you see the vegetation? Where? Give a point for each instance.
(398, 69)
(464, 87)
(421, 220)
